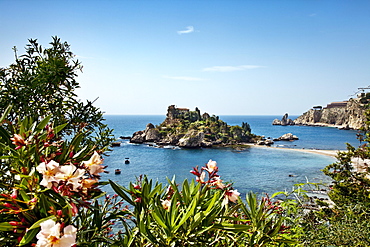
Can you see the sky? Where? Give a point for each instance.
(226, 57)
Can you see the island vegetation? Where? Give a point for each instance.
(191, 129)
(51, 193)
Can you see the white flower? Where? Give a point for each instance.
(50, 235)
(166, 204)
(70, 175)
(94, 164)
(211, 166)
(48, 170)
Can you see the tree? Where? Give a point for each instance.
(246, 127)
(42, 82)
(50, 148)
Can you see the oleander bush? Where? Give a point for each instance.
(203, 212)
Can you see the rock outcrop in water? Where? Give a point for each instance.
(284, 121)
(191, 129)
(344, 115)
(287, 137)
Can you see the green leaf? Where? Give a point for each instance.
(30, 234)
(5, 226)
(232, 227)
(97, 218)
(59, 128)
(119, 190)
(155, 190)
(5, 114)
(159, 219)
(279, 193)
(42, 124)
(37, 223)
(189, 211)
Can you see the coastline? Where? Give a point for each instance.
(331, 153)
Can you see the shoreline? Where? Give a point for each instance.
(331, 153)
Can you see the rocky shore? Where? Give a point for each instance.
(343, 115)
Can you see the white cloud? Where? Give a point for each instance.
(183, 78)
(189, 29)
(232, 68)
(78, 56)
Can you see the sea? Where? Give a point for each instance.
(261, 170)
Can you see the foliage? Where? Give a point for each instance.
(41, 83)
(206, 213)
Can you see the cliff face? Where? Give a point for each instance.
(341, 115)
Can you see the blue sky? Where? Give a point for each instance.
(225, 57)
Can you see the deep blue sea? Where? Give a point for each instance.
(254, 169)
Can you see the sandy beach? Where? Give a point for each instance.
(331, 153)
(360, 165)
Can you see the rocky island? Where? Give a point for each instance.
(191, 129)
(347, 114)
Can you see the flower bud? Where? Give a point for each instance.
(138, 199)
(14, 223)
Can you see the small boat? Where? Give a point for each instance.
(127, 161)
(115, 144)
(117, 171)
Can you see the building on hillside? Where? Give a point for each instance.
(337, 104)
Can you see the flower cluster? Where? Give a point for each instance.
(54, 234)
(210, 171)
(51, 182)
(67, 178)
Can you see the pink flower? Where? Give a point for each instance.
(136, 186)
(51, 236)
(196, 173)
(232, 195)
(138, 200)
(94, 164)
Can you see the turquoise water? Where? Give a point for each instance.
(257, 169)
